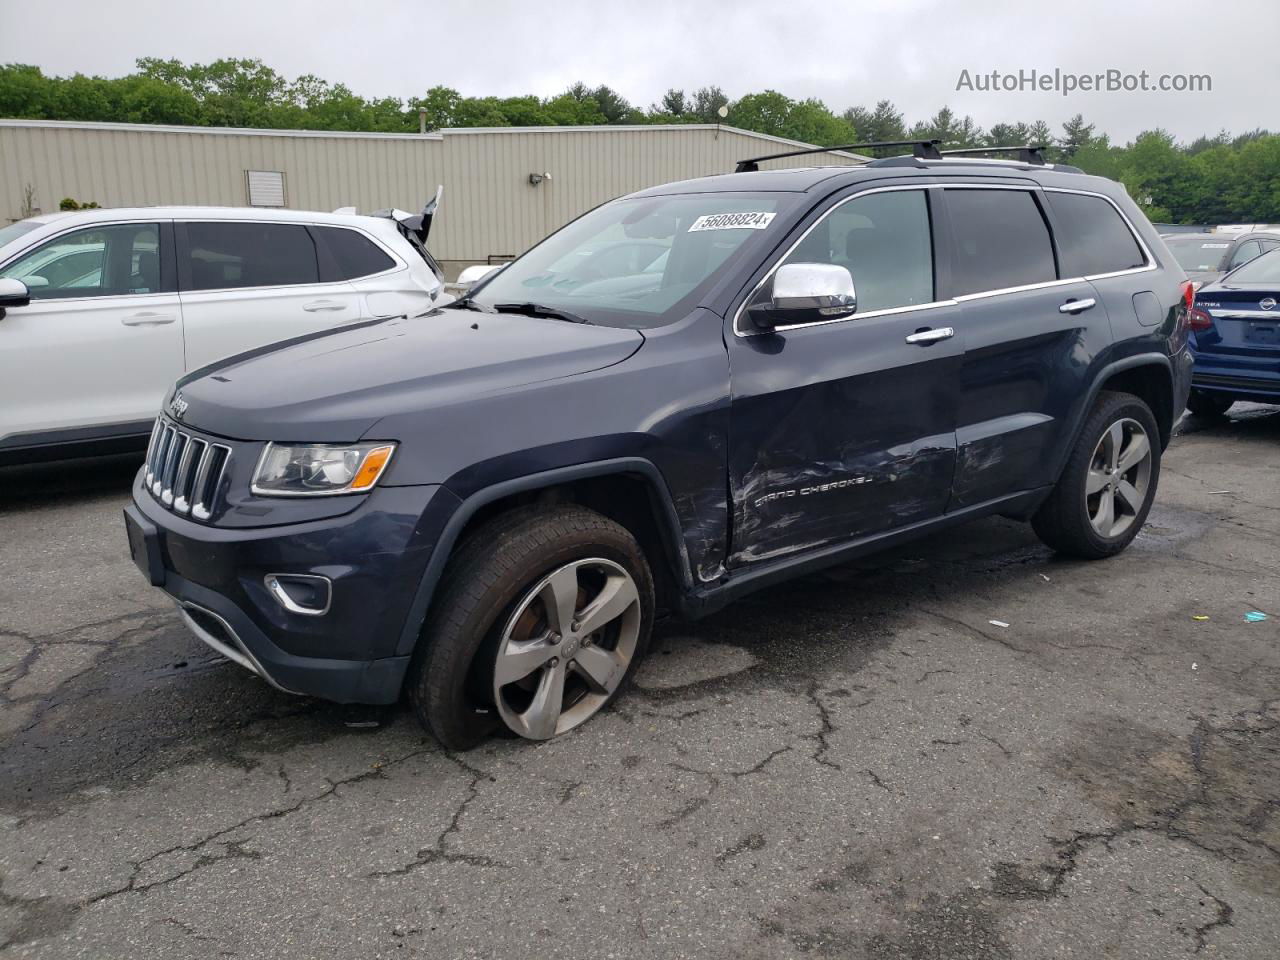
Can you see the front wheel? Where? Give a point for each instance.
(1105, 492)
(538, 624)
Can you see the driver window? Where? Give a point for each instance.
(1245, 252)
(884, 241)
(118, 260)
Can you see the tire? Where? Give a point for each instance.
(498, 599)
(1210, 406)
(1073, 520)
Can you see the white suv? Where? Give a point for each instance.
(110, 307)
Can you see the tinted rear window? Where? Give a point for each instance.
(1092, 236)
(354, 255)
(1001, 240)
(223, 256)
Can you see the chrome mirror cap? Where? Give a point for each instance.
(806, 293)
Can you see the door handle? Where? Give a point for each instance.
(925, 337)
(1077, 306)
(323, 306)
(147, 319)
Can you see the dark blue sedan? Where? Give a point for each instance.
(1236, 338)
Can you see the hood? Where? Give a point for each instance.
(332, 387)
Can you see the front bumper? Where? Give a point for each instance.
(373, 557)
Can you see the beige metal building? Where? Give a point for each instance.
(505, 187)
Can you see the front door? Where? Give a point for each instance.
(846, 429)
(101, 340)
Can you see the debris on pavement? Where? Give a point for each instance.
(1199, 616)
(997, 623)
(1255, 616)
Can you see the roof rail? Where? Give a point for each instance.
(926, 149)
(1027, 153)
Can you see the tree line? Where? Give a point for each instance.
(1213, 179)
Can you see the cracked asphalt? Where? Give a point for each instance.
(858, 764)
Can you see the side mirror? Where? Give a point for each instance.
(13, 293)
(472, 275)
(806, 293)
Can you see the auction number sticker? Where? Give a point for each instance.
(732, 221)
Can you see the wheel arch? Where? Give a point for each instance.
(605, 486)
(1146, 375)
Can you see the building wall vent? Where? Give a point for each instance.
(266, 188)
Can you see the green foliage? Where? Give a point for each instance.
(1213, 179)
(70, 203)
(807, 120)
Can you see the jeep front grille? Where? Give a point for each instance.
(184, 471)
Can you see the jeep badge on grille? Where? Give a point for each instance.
(178, 406)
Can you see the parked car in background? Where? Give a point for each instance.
(1207, 256)
(105, 309)
(682, 396)
(1235, 337)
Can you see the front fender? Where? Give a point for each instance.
(668, 523)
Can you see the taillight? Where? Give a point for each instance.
(1188, 293)
(1199, 320)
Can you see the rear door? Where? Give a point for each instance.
(1029, 337)
(247, 284)
(101, 340)
(844, 429)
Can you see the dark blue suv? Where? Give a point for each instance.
(682, 396)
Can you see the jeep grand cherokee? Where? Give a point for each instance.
(682, 396)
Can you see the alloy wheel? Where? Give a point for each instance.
(566, 648)
(1119, 475)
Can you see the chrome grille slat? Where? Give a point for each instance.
(203, 494)
(176, 450)
(183, 471)
(182, 479)
(162, 459)
(151, 452)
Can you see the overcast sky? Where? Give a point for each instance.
(844, 52)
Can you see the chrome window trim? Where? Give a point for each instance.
(1150, 264)
(737, 316)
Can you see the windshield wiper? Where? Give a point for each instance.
(466, 303)
(539, 310)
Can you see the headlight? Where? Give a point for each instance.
(320, 469)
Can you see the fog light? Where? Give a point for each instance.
(302, 593)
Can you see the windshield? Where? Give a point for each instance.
(1263, 269)
(13, 231)
(1197, 254)
(636, 262)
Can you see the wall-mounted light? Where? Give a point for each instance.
(537, 178)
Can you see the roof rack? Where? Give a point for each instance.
(1026, 153)
(925, 149)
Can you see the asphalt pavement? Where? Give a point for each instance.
(859, 764)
